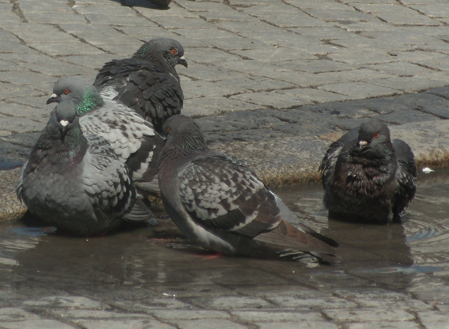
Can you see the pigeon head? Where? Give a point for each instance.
(168, 50)
(183, 133)
(373, 133)
(66, 117)
(79, 90)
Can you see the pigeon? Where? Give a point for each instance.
(219, 203)
(132, 138)
(147, 82)
(73, 180)
(366, 177)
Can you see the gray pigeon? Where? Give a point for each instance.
(147, 82)
(75, 181)
(366, 177)
(132, 138)
(219, 203)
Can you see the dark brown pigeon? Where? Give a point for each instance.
(147, 82)
(366, 177)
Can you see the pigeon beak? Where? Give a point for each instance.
(53, 99)
(182, 61)
(362, 144)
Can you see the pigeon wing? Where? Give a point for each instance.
(220, 193)
(406, 175)
(106, 179)
(154, 93)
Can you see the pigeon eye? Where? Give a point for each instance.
(168, 130)
(376, 135)
(66, 91)
(174, 51)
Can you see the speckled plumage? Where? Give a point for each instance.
(221, 204)
(366, 177)
(73, 181)
(147, 82)
(132, 138)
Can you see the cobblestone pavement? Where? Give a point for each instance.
(271, 81)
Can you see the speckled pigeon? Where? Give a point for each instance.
(219, 203)
(147, 82)
(366, 177)
(74, 181)
(131, 137)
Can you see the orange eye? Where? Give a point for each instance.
(66, 91)
(168, 130)
(376, 135)
(174, 51)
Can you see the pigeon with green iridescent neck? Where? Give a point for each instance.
(132, 138)
(218, 202)
(366, 177)
(76, 181)
(147, 82)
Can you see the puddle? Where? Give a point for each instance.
(133, 264)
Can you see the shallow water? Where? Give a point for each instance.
(135, 263)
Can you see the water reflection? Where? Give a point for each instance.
(135, 265)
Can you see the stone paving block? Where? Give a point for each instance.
(412, 305)
(272, 99)
(46, 7)
(287, 290)
(36, 324)
(312, 303)
(58, 49)
(11, 90)
(110, 8)
(384, 325)
(92, 61)
(401, 69)
(237, 43)
(189, 315)
(297, 325)
(72, 302)
(433, 10)
(396, 14)
(204, 34)
(196, 107)
(119, 21)
(39, 112)
(409, 83)
(369, 293)
(58, 69)
(270, 54)
(209, 55)
(397, 117)
(360, 57)
(94, 314)
(152, 304)
(368, 315)
(313, 95)
(359, 90)
(207, 324)
(15, 314)
(14, 125)
(315, 66)
(267, 316)
(233, 303)
(170, 22)
(194, 89)
(176, 11)
(434, 320)
(54, 18)
(121, 324)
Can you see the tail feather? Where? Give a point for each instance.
(292, 242)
